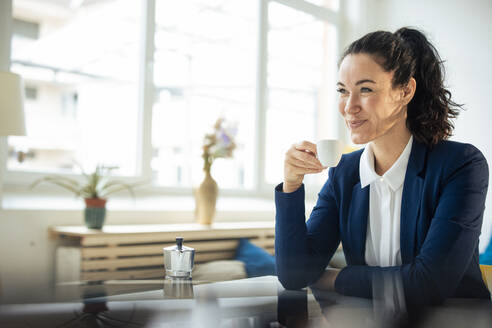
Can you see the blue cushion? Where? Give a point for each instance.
(486, 257)
(257, 261)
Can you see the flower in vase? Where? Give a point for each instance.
(218, 144)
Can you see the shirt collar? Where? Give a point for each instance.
(394, 176)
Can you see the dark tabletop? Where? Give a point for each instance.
(253, 302)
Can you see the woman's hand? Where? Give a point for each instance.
(300, 159)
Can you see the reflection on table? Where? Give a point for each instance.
(254, 302)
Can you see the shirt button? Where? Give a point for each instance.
(381, 179)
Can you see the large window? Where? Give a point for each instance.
(301, 72)
(97, 72)
(205, 68)
(81, 67)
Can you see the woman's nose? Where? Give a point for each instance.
(352, 105)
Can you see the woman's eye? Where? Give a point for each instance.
(342, 91)
(365, 90)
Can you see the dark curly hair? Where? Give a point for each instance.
(408, 53)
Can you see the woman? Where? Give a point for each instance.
(410, 203)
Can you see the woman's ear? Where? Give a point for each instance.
(409, 91)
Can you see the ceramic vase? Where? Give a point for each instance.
(206, 199)
(95, 212)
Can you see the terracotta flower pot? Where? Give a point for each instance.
(206, 199)
(95, 212)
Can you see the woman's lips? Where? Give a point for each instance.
(356, 124)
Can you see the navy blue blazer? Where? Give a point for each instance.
(441, 218)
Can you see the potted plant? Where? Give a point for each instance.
(94, 189)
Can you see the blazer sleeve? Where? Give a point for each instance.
(448, 248)
(303, 249)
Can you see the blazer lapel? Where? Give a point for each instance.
(410, 203)
(357, 219)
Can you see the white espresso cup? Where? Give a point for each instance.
(329, 152)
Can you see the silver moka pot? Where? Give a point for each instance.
(178, 260)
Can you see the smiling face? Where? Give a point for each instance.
(370, 106)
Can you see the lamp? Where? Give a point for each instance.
(11, 115)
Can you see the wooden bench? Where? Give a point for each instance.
(135, 251)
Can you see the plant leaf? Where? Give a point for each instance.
(98, 183)
(81, 169)
(89, 192)
(54, 178)
(64, 185)
(117, 187)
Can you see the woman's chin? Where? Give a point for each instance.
(358, 139)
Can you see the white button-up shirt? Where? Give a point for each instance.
(385, 193)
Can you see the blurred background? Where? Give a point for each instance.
(137, 85)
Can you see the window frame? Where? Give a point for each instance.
(20, 180)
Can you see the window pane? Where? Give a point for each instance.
(204, 68)
(80, 64)
(330, 4)
(301, 71)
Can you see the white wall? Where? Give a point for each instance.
(461, 31)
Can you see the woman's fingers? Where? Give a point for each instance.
(301, 164)
(307, 146)
(302, 170)
(300, 160)
(306, 156)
